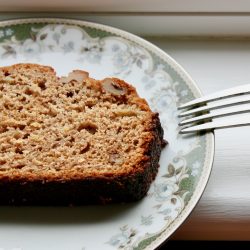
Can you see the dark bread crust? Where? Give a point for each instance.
(97, 189)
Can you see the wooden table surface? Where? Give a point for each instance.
(223, 213)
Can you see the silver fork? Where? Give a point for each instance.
(198, 116)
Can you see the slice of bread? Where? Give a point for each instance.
(74, 140)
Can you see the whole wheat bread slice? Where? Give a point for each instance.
(74, 140)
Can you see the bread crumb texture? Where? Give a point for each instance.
(72, 127)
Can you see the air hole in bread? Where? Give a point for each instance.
(90, 127)
(21, 126)
(3, 129)
(70, 120)
(52, 101)
(19, 166)
(85, 148)
(2, 162)
(55, 145)
(119, 130)
(19, 151)
(42, 84)
(89, 104)
(23, 99)
(26, 136)
(20, 108)
(135, 142)
(127, 150)
(72, 139)
(70, 94)
(28, 91)
(6, 106)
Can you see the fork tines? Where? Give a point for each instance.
(199, 109)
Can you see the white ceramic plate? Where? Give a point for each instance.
(185, 163)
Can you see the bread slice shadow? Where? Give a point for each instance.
(65, 215)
